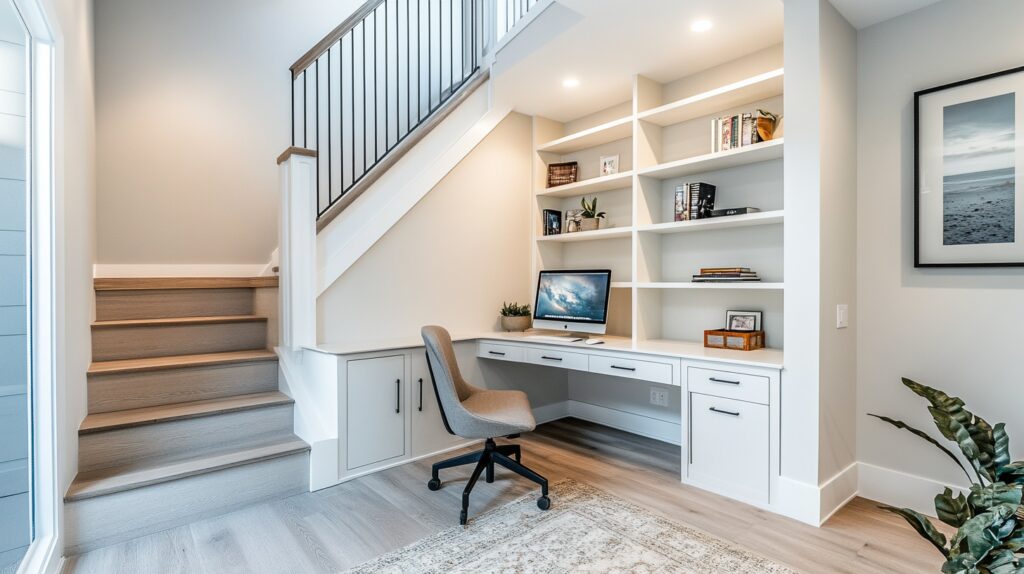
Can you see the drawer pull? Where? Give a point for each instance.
(730, 413)
(632, 369)
(551, 358)
(723, 381)
(398, 395)
(499, 353)
(421, 395)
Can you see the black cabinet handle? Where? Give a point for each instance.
(398, 395)
(421, 395)
(499, 353)
(551, 358)
(730, 413)
(631, 369)
(723, 381)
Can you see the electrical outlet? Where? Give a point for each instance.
(659, 397)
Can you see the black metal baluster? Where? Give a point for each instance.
(352, 101)
(330, 156)
(363, 66)
(376, 120)
(305, 97)
(316, 121)
(451, 46)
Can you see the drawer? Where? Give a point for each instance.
(555, 358)
(729, 447)
(751, 388)
(500, 352)
(653, 371)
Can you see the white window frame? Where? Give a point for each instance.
(44, 553)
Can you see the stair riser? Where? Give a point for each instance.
(105, 520)
(136, 342)
(187, 437)
(160, 304)
(120, 391)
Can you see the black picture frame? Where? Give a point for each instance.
(552, 222)
(918, 263)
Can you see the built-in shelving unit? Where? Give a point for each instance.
(665, 142)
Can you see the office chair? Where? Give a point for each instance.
(474, 413)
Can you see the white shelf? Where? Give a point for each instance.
(595, 136)
(695, 350)
(755, 153)
(593, 185)
(610, 233)
(727, 222)
(622, 284)
(732, 286)
(760, 87)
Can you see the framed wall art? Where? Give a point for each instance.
(969, 153)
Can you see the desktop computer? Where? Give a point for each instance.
(572, 301)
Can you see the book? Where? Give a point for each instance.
(747, 129)
(733, 211)
(701, 279)
(680, 207)
(705, 193)
(704, 270)
(726, 134)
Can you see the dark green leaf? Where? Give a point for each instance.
(952, 511)
(995, 494)
(1002, 447)
(923, 526)
(953, 406)
(1012, 473)
(982, 434)
(961, 564)
(951, 428)
(925, 436)
(1001, 562)
(981, 534)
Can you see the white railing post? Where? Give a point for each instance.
(298, 248)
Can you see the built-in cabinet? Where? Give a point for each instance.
(428, 431)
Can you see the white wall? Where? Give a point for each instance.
(945, 328)
(192, 109)
(452, 260)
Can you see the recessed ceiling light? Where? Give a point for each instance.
(701, 25)
(570, 83)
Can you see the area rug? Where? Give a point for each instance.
(586, 530)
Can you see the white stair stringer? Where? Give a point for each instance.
(356, 229)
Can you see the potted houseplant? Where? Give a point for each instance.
(989, 519)
(590, 219)
(515, 317)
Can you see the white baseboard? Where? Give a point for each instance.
(813, 504)
(838, 491)
(553, 412)
(114, 270)
(629, 422)
(900, 489)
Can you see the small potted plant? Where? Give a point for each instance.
(515, 317)
(590, 219)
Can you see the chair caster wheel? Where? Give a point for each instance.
(462, 518)
(543, 503)
(434, 484)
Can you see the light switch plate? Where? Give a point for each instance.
(659, 397)
(842, 316)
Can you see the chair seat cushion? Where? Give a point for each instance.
(499, 413)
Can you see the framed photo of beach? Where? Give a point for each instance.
(969, 154)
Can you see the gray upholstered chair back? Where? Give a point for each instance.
(451, 388)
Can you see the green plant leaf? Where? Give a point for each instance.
(983, 533)
(951, 428)
(1001, 562)
(1002, 447)
(927, 437)
(952, 511)
(993, 495)
(1012, 473)
(922, 525)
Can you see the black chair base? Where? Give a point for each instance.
(485, 461)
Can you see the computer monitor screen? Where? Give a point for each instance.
(572, 300)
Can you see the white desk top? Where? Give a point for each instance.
(771, 358)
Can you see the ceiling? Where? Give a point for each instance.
(603, 46)
(864, 13)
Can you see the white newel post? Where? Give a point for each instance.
(298, 248)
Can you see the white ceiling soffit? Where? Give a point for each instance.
(864, 13)
(603, 43)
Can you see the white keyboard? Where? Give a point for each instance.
(554, 338)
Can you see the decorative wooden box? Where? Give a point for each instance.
(736, 340)
(562, 173)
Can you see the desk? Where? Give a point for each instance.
(729, 402)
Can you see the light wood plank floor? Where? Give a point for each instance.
(342, 526)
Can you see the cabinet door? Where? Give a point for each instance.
(729, 450)
(429, 434)
(376, 410)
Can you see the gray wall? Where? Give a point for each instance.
(953, 329)
(14, 498)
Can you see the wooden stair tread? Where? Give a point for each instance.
(149, 415)
(144, 283)
(119, 479)
(180, 321)
(180, 361)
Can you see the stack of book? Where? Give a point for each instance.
(731, 132)
(725, 275)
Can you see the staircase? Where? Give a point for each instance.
(185, 419)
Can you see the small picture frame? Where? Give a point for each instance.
(609, 164)
(552, 222)
(572, 220)
(743, 321)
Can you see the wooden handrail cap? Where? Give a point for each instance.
(288, 153)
